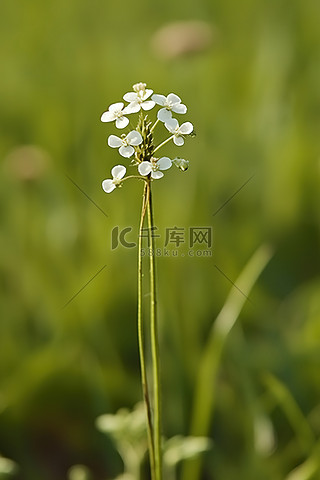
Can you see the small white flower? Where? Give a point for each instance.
(125, 143)
(117, 113)
(181, 163)
(138, 98)
(178, 132)
(118, 172)
(154, 166)
(171, 103)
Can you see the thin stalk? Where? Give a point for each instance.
(154, 345)
(154, 125)
(133, 176)
(143, 367)
(163, 143)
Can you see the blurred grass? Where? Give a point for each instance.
(254, 100)
(205, 388)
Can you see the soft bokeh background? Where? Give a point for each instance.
(250, 77)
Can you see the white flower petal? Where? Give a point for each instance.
(122, 122)
(148, 105)
(164, 115)
(173, 98)
(133, 107)
(115, 107)
(172, 124)
(118, 172)
(147, 93)
(126, 151)
(178, 141)
(134, 138)
(130, 97)
(114, 141)
(107, 117)
(157, 174)
(144, 168)
(164, 163)
(159, 99)
(179, 108)
(108, 185)
(186, 128)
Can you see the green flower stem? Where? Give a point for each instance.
(154, 125)
(163, 143)
(154, 344)
(143, 367)
(133, 176)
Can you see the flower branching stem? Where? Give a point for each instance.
(154, 125)
(163, 143)
(134, 176)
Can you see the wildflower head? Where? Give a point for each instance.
(154, 166)
(118, 172)
(179, 131)
(138, 144)
(171, 103)
(117, 112)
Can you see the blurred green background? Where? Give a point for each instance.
(250, 78)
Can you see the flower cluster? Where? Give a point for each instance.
(138, 144)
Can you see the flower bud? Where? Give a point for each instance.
(181, 164)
